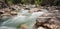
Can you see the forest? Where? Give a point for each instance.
(36, 2)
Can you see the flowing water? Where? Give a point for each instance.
(23, 17)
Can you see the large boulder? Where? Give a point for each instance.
(50, 20)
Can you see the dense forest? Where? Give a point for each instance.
(39, 2)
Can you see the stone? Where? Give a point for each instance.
(1, 12)
(27, 9)
(13, 13)
(5, 14)
(41, 28)
(50, 20)
(34, 10)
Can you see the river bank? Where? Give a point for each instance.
(49, 13)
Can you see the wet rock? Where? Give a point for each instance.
(5, 14)
(13, 13)
(7, 9)
(24, 5)
(50, 18)
(15, 7)
(1, 12)
(20, 4)
(52, 26)
(43, 10)
(57, 7)
(34, 10)
(24, 26)
(27, 8)
(4, 18)
(32, 6)
(41, 28)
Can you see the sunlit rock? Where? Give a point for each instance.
(13, 13)
(41, 28)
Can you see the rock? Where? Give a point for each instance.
(7, 9)
(34, 10)
(1, 12)
(52, 26)
(20, 5)
(24, 26)
(41, 28)
(32, 6)
(50, 18)
(27, 8)
(57, 7)
(44, 10)
(24, 5)
(3, 18)
(13, 13)
(15, 7)
(5, 14)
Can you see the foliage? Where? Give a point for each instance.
(8, 1)
(24, 1)
(39, 2)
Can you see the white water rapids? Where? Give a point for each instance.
(28, 18)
